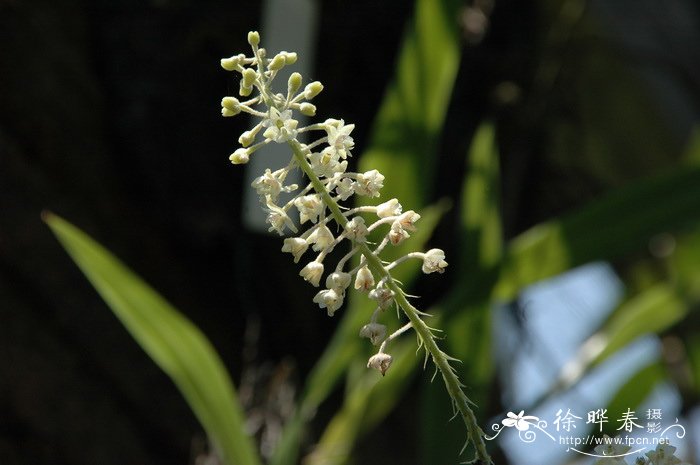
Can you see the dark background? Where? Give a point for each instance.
(109, 116)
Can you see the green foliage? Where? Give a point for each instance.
(617, 224)
(169, 338)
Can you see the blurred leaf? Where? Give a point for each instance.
(467, 328)
(406, 131)
(651, 311)
(635, 391)
(170, 339)
(621, 221)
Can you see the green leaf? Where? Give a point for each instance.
(651, 311)
(410, 119)
(467, 323)
(171, 340)
(635, 391)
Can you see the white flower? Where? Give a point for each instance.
(374, 332)
(338, 280)
(389, 208)
(520, 421)
(327, 165)
(330, 299)
(339, 140)
(382, 295)
(296, 246)
(312, 273)
(345, 188)
(267, 185)
(321, 238)
(408, 220)
(369, 183)
(281, 127)
(397, 233)
(663, 455)
(434, 260)
(278, 219)
(364, 279)
(356, 230)
(611, 453)
(380, 362)
(310, 207)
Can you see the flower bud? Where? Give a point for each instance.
(312, 89)
(307, 109)
(246, 138)
(249, 76)
(231, 63)
(277, 63)
(239, 157)
(253, 38)
(244, 90)
(231, 104)
(294, 83)
(289, 58)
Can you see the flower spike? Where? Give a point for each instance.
(324, 162)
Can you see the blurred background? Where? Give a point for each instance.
(552, 142)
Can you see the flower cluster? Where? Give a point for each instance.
(614, 453)
(325, 162)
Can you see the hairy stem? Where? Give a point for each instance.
(441, 360)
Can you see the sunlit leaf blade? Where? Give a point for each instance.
(170, 339)
(619, 222)
(410, 119)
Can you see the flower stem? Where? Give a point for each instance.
(440, 358)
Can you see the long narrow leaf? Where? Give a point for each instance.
(622, 221)
(170, 339)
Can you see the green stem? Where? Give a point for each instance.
(441, 360)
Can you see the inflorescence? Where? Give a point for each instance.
(327, 157)
(325, 162)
